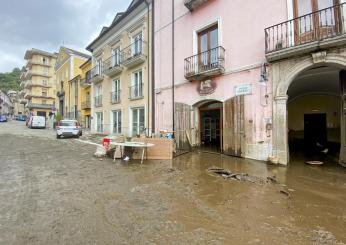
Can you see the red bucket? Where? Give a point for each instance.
(106, 143)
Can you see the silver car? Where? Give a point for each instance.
(68, 128)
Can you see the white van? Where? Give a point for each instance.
(37, 122)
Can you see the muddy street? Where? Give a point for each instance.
(55, 192)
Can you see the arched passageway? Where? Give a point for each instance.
(314, 115)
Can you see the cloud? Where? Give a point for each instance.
(48, 24)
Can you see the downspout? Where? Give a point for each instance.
(153, 67)
(173, 118)
(148, 47)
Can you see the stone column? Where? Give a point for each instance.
(280, 136)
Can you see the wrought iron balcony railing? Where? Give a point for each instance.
(316, 26)
(86, 104)
(136, 91)
(96, 73)
(112, 62)
(133, 54)
(115, 96)
(98, 101)
(206, 64)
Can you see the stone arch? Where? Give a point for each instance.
(304, 64)
(284, 74)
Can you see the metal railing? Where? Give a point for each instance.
(96, 71)
(316, 26)
(136, 91)
(111, 62)
(86, 104)
(133, 50)
(115, 96)
(98, 101)
(205, 61)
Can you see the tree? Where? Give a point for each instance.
(10, 80)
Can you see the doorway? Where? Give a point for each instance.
(315, 129)
(210, 118)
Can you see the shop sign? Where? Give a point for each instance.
(206, 87)
(243, 89)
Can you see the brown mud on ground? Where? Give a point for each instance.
(55, 192)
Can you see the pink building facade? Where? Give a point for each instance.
(213, 85)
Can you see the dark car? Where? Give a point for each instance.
(3, 118)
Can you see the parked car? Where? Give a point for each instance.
(21, 118)
(3, 118)
(68, 128)
(37, 122)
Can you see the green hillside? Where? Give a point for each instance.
(10, 80)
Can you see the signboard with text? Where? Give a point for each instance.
(243, 89)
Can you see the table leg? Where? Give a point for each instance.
(142, 155)
(114, 153)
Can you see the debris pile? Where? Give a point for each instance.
(242, 176)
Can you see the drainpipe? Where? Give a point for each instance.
(153, 67)
(148, 47)
(173, 124)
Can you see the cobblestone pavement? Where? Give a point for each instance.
(55, 192)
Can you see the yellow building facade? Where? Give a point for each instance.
(38, 80)
(68, 73)
(85, 94)
(121, 74)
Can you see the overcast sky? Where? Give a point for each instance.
(48, 24)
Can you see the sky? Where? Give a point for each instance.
(49, 24)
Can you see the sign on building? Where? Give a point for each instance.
(243, 89)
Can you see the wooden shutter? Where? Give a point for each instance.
(233, 126)
(182, 121)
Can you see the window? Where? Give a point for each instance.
(207, 47)
(45, 71)
(44, 92)
(62, 85)
(44, 61)
(117, 122)
(309, 23)
(137, 85)
(137, 44)
(44, 102)
(98, 96)
(99, 67)
(116, 57)
(99, 122)
(44, 82)
(116, 90)
(138, 121)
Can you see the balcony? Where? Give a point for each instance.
(30, 73)
(111, 66)
(96, 74)
(36, 62)
(205, 65)
(39, 106)
(136, 92)
(115, 97)
(318, 30)
(134, 54)
(86, 104)
(193, 4)
(98, 101)
(29, 84)
(86, 82)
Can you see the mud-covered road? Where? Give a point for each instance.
(55, 192)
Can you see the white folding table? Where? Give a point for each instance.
(142, 145)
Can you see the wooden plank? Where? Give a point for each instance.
(162, 149)
(233, 129)
(182, 125)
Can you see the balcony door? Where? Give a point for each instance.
(316, 19)
(116, 57)
(207, 48)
